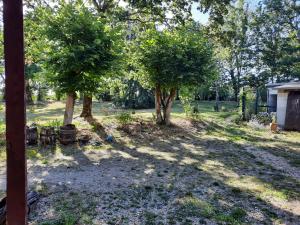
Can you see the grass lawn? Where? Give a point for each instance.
(208, 170)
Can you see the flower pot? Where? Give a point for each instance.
(274, 127)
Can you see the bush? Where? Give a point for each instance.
(187, 96)
(54, 123)
(263, 118)
(124, 118)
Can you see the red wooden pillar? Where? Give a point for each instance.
(15, 112)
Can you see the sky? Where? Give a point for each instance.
(203, 17)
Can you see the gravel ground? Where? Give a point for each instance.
(184, 174)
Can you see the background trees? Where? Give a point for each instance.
(276, 26)
(170, 59)
(72, 45)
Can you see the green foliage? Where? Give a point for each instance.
(160, 11)
(187, 97)
(238, 213)
(54, 123)
(174, 58)
(262, 118)
(275, 29)
(250, 102)
(124, 118)
(81, 47)
(132, 95)
(193, 207)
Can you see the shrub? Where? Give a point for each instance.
(54, 123)
(263, 118)
(124, 118)
(187, 96)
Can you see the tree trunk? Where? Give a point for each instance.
(236, 86)
(87, 106)
(29, 99)
(70, 102)
(158, 97)
(40, 95)
(168, 107)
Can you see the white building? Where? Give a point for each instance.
(284, 99)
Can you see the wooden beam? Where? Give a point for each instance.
(15, 112)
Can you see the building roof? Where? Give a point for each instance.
(289, 86)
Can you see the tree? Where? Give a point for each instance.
(160, 11)
(81, 52)
(231, 36)
(170, 59)
(275, 26)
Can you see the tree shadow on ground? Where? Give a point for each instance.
(175, 174)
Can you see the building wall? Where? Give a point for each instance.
(281, 107)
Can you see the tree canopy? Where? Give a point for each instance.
(80, 48)
(175, 58)
(170, 59)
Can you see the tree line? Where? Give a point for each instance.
(90, 48)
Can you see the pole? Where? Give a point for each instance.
(244, 105)
(15, 112)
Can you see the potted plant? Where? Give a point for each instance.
(274, 125)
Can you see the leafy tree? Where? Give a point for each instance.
(171, 59)
(275, 27)
(160, 10)
(231, 37)
(81, 52)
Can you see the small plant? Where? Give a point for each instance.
(124, 118)
(238, 214)
(187, 98)
(54, 123)
(274, 125)
(274, 117)
(191, 206)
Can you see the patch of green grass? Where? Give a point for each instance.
(64, 219)
(150, 218)
(191, 206)
(238, 214)
(33, 154)
(54, 123)
(73, 208)
(295, 162)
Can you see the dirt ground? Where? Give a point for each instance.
(194, 172)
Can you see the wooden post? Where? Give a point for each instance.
(15, 112)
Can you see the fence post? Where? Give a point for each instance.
(244, 105)
(256, 100)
